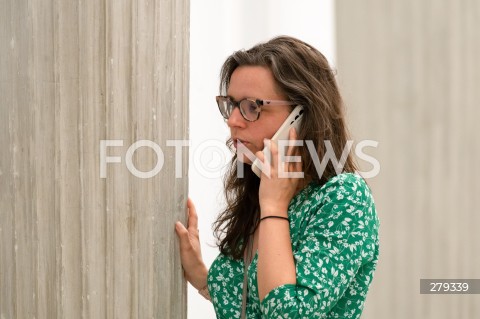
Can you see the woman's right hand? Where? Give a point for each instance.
(190, 250)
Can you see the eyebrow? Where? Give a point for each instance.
(236, 100)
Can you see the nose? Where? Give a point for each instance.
(236, 119)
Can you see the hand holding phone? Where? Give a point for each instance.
(293, 120)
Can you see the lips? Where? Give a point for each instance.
(237, 140)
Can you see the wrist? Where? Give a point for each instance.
(204, 293)
(199, 279)
(274, 217)
(283, 212)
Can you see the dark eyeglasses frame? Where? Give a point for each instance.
(258, 102)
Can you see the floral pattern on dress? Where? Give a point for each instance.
(334, 235)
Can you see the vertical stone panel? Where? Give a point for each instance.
(73, 73)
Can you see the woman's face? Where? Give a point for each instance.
(255, 82)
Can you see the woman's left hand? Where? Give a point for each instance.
(190, 250)
(280, 178)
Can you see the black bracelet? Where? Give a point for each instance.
(273, 216)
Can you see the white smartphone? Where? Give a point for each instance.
(293, 120)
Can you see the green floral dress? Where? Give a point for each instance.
(334, 234)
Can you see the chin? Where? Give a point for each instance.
(244, 154)
(244, 160)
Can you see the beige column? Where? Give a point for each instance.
(410, 73)
(74, 243)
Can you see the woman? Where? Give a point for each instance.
(303, 247)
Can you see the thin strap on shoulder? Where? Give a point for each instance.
(247, 259)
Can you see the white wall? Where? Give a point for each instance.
(218, 28)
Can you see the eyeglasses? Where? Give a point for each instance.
(249, 108)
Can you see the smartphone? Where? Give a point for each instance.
(293, 120)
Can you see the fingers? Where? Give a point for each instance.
(192, 215)
(295, 166)
(192, 224)
(292, 136)
(182, 234)
(274, 158)
(265, 158)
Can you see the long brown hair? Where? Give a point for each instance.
(303, 74)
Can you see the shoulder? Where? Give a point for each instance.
(340, 188)
(347, 187)
(345, 195)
